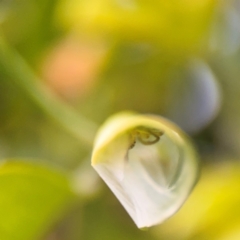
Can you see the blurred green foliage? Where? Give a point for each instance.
(179, 59)
(32, 199)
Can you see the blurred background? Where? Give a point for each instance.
(176, 58)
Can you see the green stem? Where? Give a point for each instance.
(18, 70)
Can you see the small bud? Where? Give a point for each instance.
(148, 163)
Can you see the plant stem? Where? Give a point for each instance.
(18, 70)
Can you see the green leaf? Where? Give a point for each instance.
(32, 198)
(175, 25)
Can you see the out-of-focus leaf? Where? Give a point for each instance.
(4, 10)
(176, 25)
(32, 198)
(227, 128)
(29, 26)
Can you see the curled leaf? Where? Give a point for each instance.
(148, 163)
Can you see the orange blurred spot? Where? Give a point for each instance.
(72, 66)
